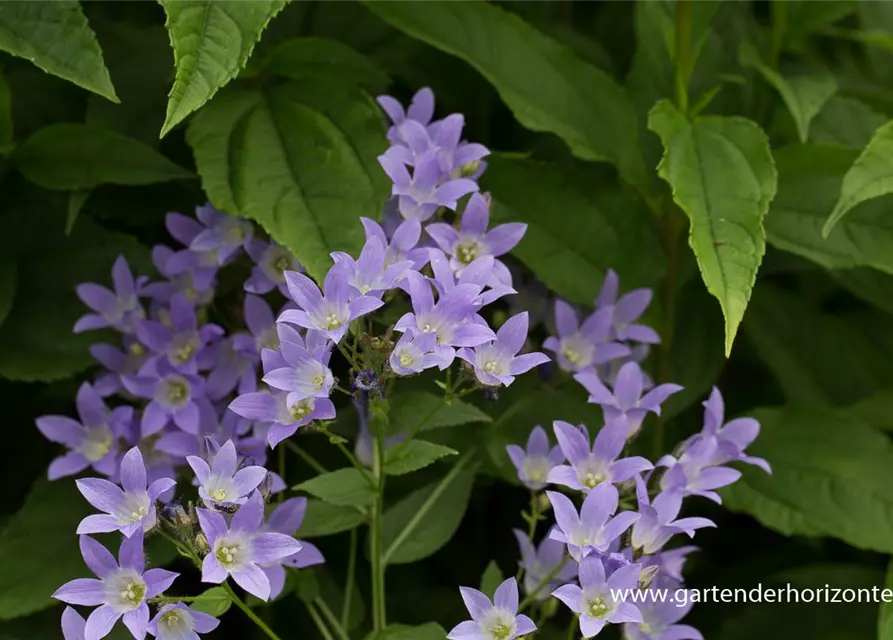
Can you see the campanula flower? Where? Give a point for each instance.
(578, 347)
(537, 461)
(120, 309)
(174, 396)
(497, 363)
(496, 620)
(182, 343)
(540, 562)
(370, 274)
(658, 522)
(593, 528)
(180, 622)
(271, 261)
(286, 519)
(223, 482)
(428, 188)
(625, 310)
(403, 242)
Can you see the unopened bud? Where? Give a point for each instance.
(647, 575)
(266, 486)
(176, 515)
(201, 544)
(469, 169)
(491, 394)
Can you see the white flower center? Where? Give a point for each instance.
(301, 409)
(229, 554)
(500, 624)
(125, 590)
(172, 618)
(175, 390)
(596, 607)
(333, 322)
(405, 359)
(97, 443)
(467, 253)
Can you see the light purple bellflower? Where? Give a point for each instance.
(120, 309)
(497, 363)
(540, 562)
(593, 528)
(223, 482)
(497, 620)
(658, 522)
(535, 463)
(180, 622)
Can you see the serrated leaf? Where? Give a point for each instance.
(871, 176)
(545, 84)
(426, 519)
(601, 228)
(214, 601)
(212, 41)
(55, 36)
(324, 519)
(722, 175)
(428, 631)
(416, 455)
(344, 487)
(803, 95)
(491, 578)
(298, 159)
(409, 410)
(36, 339)
(70, 157)
(809, 179)
(831, 476)
(320, 58)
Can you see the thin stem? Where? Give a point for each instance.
(306, 457)
(351, 576)
(379, 618)
(779, 10)
(683, 57)
(248, 612)
(531, 527)
(282, 463)
(530, 597)
(323, 630)
(333, 621)
(348, 357)
(572, 627)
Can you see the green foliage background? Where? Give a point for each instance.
(735, 156)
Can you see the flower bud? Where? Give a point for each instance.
(201, 544)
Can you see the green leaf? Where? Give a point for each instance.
(806, 17)
(876, 410)
(7, 282)
(408, 410)
(72, 157)
(298, 159)
(492, 578)
(870, 176)
(76, 200)
(344, 487)
(319, 58)
(845, 121)
(56, 37)
(39, 550)
(214, 601)
(831, 476)
(601, 228)
(809, 179)
(885, 619)
(416, 455)
(818, 358)
(545, 84)
(36, 340)
(721, 172)
(428, 631)
(324, 519)
(7, 130)
(212, 41)
(872, 286)
(426, 519)
(803, 95)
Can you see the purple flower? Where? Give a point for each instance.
(118, 362)
(421, 110)
(127, 511)
(370, 274)
(599, 600)
(579, 347)
(657, 523)
(537, 461)
(497, 362)
(239, 549)
(626, 399)
(590, 468)
(223, 482)
(497, 620)
(186, 274)
(73, 625)
(472, 240)
(733, 436)
(594, 528)
(304, 373)
(330, 313)
(429, 186)
(179, 622)
(415, 352)
(174, 397)
(403, 243)
(271, 260)
(453, 319)
(223, 235)
(625, 311)
(183, 344)
(669, 563)
(539, 563)
(121, 590)
(120, 308)
(92, 442)
(273, 407)
(286, 519)
(479, 273)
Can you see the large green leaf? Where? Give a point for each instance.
(56, 37)
(818, 358)
(324, 519)
(344, 487)
(721, 172)
(319, 58)
(77, 156)
(601, 228)
(871, 176)
(845, 121)
(214, 601)
(426, 519)
(885, 619)
(36, 339)
(416, 455)
(803, 95)
(212, 41)
(300, 159)
(831, 476)
(809, 179)
(546, 85)
(409, 410)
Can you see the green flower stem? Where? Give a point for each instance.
(528, 600)
(683, 58)
(531, 527)
(306, 457)
(419, 426)
(318, 621)
(330, 617)
(351, 576)
(248, 612)
(379, 616)
(572, 627)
